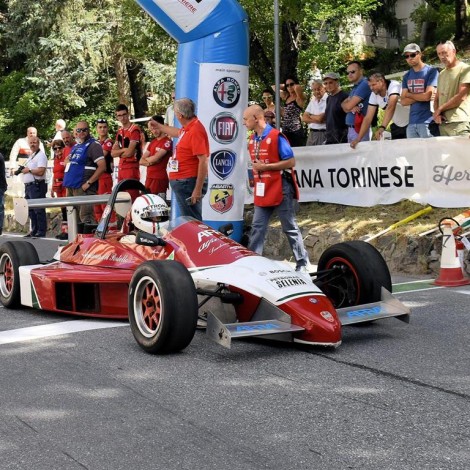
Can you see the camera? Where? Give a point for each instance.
(19, 170)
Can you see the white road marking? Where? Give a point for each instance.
(55, 329)
(466, 292)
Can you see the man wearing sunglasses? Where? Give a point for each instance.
(418, 89)
(355, 105)
(85, 165)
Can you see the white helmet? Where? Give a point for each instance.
(150, 214)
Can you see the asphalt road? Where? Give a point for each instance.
(392, 396)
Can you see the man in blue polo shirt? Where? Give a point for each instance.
(357, 101)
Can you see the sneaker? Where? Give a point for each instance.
(28, 235)
(202, 321)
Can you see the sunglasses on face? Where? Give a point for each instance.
(56, 149)
(85, 129)
(290, 84)
(351, 72)
(412, 55)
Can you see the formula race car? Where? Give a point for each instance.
(163, 275)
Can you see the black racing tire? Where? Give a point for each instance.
(12, 256)
(163, 307)
(362, 275)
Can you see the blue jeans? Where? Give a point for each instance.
(182, 189)
(418, 131)
(37, 190)
(289, 226)
(352, 135)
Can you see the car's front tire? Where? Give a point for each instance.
(162, 306)
(358, 273)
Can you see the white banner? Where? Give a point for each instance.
(432, 171)
(187, 14)
(223, 95)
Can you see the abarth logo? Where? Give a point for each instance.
(221, 197)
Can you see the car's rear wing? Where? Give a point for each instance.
(21, 207)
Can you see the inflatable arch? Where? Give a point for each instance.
(212, 70)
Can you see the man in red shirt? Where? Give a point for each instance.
(187, 168)
(127, 147)
(156, 157)
(58, 189)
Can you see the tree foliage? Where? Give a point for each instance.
(78, 59)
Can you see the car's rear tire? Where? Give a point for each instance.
(362, 273)
(12, 256)
(162, 306)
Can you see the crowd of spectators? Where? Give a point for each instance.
(83, 164)
(426, 102)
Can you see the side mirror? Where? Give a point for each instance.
(226, 229)
(148, 239)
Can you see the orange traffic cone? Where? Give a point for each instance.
(450, 274)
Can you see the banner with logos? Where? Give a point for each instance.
(223, 97)
(432, 171)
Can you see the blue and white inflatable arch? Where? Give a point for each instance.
(212, 70)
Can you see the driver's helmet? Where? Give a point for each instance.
(150, 213)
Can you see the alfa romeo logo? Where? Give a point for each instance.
(226, 92)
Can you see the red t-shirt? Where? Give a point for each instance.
(107, 145)
(125, 137)
(158, 170)
(193, 141)
(59, 167)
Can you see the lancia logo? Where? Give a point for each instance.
(223, 163)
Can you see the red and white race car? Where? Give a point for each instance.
(162, 284)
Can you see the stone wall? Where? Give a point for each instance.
(403, 254)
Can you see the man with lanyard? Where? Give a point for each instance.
(105, 181)
(188, 166)
(127, 147)
(275, 185)
(34, 179)
(85, 165)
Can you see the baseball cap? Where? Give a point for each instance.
(332, 75)
(412, 48)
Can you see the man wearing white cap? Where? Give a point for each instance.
(452, 102)
(418, 89)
